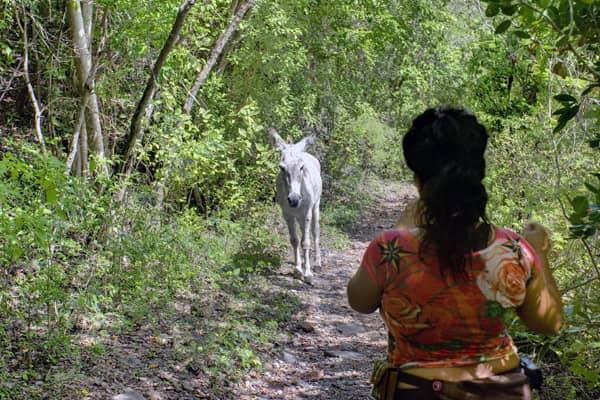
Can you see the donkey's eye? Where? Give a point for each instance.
(302, 168)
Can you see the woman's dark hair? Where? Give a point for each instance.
(445, 148)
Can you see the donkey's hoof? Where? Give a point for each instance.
(298, 274)
(308, 279)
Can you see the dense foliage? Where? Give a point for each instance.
(88, 251)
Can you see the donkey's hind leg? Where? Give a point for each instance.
(291, 224)
(316, 231)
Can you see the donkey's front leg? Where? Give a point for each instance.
(291, 224)
(305, 225)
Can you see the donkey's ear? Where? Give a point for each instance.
(277, 141)
(306, 142)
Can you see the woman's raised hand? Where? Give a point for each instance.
(537, 236)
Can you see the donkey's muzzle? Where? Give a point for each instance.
(293, 200)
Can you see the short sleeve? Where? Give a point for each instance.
(528, 253)
(509, 264)
(383, 257)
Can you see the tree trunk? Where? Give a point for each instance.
(216, 52)
(87, 13)
(136, 128)
(84, 150)
(85, 75)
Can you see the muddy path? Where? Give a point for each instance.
(330, 348)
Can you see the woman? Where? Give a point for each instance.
(443, 279)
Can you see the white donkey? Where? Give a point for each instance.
(299, 194)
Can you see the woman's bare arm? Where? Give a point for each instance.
(542, 309)
(363, 294)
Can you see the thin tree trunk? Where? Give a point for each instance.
(72, 158)
(215, 53)
(36, 106)
(85, 75)
(136, 128)
(77, 164)
(87, 13)
(84, 151)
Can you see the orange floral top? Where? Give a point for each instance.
(434, 321)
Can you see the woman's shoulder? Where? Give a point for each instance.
(506, 233)
(517, 242)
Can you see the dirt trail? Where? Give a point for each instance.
(330, 348)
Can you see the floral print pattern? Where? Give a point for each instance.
(505, 274)
(434, 321)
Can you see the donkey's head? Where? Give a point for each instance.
(291, 166)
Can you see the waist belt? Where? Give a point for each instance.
(435, 389)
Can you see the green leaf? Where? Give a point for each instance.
(543, 3)
(566, 114)
(522, 34)
(492, 10)
(565, 110)
(509, 10)
(563, 41)
(552, 13)
(562, 122)
(503, 26)
(565, 98)
(560, 69)
(580, 205)
(592, 188)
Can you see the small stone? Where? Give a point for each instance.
(188, 386)
(350, 329)
(129, 395)
(306, 326)
(348, 355)
(289, 358)
(154, 395)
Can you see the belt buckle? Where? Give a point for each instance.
(437, 386)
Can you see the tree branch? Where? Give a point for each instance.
(12, 78)
(215, 53)
(135, 130)
(36, 106)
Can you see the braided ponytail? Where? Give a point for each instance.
(445, 148)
